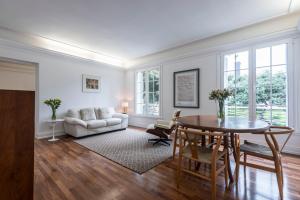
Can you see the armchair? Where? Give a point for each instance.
(163, 129)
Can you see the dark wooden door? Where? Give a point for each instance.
(16, 144)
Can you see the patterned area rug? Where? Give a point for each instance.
(129, 148)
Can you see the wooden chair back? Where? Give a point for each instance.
(279, 130)
(193, 136)
(176, 115)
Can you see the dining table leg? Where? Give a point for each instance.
(226, 145)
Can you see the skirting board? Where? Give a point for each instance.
(47, 134)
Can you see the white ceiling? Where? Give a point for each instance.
(129, 29)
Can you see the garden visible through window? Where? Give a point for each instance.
(268, 73)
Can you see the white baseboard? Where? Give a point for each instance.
(47, 134)
(141, 125)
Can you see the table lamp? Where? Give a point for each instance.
(125, 107)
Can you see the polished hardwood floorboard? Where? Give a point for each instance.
(66, 170)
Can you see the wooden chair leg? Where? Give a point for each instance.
(179, 170)
(245, 161)
(179, 162)
(226, 171)
(213, 182)
(279, 178)
(175, 144)
(237, 168)
(281, 170)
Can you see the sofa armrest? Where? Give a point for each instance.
(120, 115)
(75, 121)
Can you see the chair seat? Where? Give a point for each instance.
(256, 150)
(204, 154)
(158, 132)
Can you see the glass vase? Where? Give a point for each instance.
(53, 114)
(221, 111)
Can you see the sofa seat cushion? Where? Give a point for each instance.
(92, 124)
(113, 121)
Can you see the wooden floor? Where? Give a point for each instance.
(66, 170)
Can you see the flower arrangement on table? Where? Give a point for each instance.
(220, 95)
(54, 105)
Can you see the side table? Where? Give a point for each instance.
(52, 124)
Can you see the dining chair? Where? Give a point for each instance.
(214, 156)
(176, 144)
(271, 152)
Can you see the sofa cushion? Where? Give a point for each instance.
(113, 121)
(96, 124)
(87, 114)
(105, 113)
(73, 113)
(98, 113)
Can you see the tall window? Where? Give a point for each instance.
(271, 84)
(236, 76)
(267, 99)
(147, 92)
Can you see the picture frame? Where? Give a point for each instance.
(91, 83)
(186, 88)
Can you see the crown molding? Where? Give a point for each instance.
(4, 43)
(46, 45)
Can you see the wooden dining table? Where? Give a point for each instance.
(230, 126)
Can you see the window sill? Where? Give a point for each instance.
(145, 116)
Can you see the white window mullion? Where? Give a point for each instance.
(291, 87)
(235, 83)
(252, 85)
(271, 86)
(147, 91)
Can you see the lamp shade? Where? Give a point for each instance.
(125, 104)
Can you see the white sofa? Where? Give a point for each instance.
(89, 121)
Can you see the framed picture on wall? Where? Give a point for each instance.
(186, 89)
(91, 83)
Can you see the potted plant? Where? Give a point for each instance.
(220, 95)
(54, 105)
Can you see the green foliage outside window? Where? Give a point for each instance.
(264, 96)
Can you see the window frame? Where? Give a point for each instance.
(234, 51)
(252, 76)
(147, 91)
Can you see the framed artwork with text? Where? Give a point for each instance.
(186, 89)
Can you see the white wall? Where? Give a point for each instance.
(206, 56)
(61, 76)
(207, 66)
